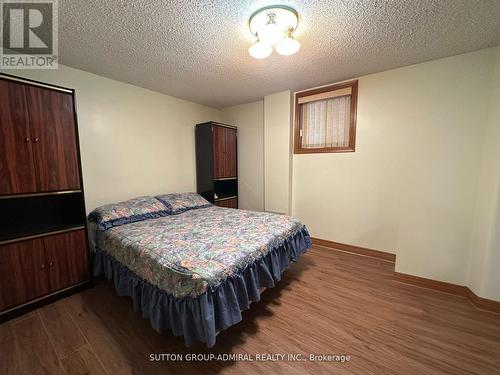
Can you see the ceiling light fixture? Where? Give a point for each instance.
(273, 26)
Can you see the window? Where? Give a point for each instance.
(325, 119)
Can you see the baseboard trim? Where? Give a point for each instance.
(423, 282)
(382, 255)
(458, 290)
(440, 286)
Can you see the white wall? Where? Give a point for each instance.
(277, 152)
(249, 118)
(411, 185)
(133, 141)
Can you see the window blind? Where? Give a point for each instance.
(326, 122)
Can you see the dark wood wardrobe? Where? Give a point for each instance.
(216, 163)
(43, 237)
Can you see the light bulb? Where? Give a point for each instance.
(287, 46)
(260, 50)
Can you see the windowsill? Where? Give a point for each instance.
(322, 150)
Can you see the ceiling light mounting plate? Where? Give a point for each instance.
(284, 16)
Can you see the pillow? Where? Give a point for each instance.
(136, 209)
(180, 202)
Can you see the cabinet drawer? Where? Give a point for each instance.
(228, 203)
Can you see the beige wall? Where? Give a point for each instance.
(484, 258)
(277, 152)
(249, 118)
(411, 185)
(133, 141)
(424, 181)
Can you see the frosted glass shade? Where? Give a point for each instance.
(260, 50)
(287, 46)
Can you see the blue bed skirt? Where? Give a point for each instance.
(215, 310)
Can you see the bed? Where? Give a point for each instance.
(189, 266)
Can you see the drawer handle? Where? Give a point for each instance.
(36, 139)
(42, 266)
(27, 139)
(51, 264)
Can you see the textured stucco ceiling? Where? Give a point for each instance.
(197, 50)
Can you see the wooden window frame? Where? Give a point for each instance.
(298, 149)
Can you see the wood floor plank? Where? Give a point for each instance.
(23, 317)
(96, 332)
(35, 352)
(64, 334)
(82, 362)
(328, 303)
(9, 363)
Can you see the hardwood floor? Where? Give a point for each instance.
(328, 303)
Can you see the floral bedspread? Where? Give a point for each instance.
(188, 253)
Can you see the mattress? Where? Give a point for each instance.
(189, 253)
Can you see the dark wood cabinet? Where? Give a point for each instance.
(38, 143)
(216, 161)
(17, 172)
(219, 165)
(52, 124)
(230, 156)
(224, 155)
(66, 257)
(43, 240)
(22, 273)
(34, 268)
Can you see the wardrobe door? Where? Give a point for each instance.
(230, 153)
(52, 127)
(67, 261)
(23, 273)
(219, 141)
(17, 174)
